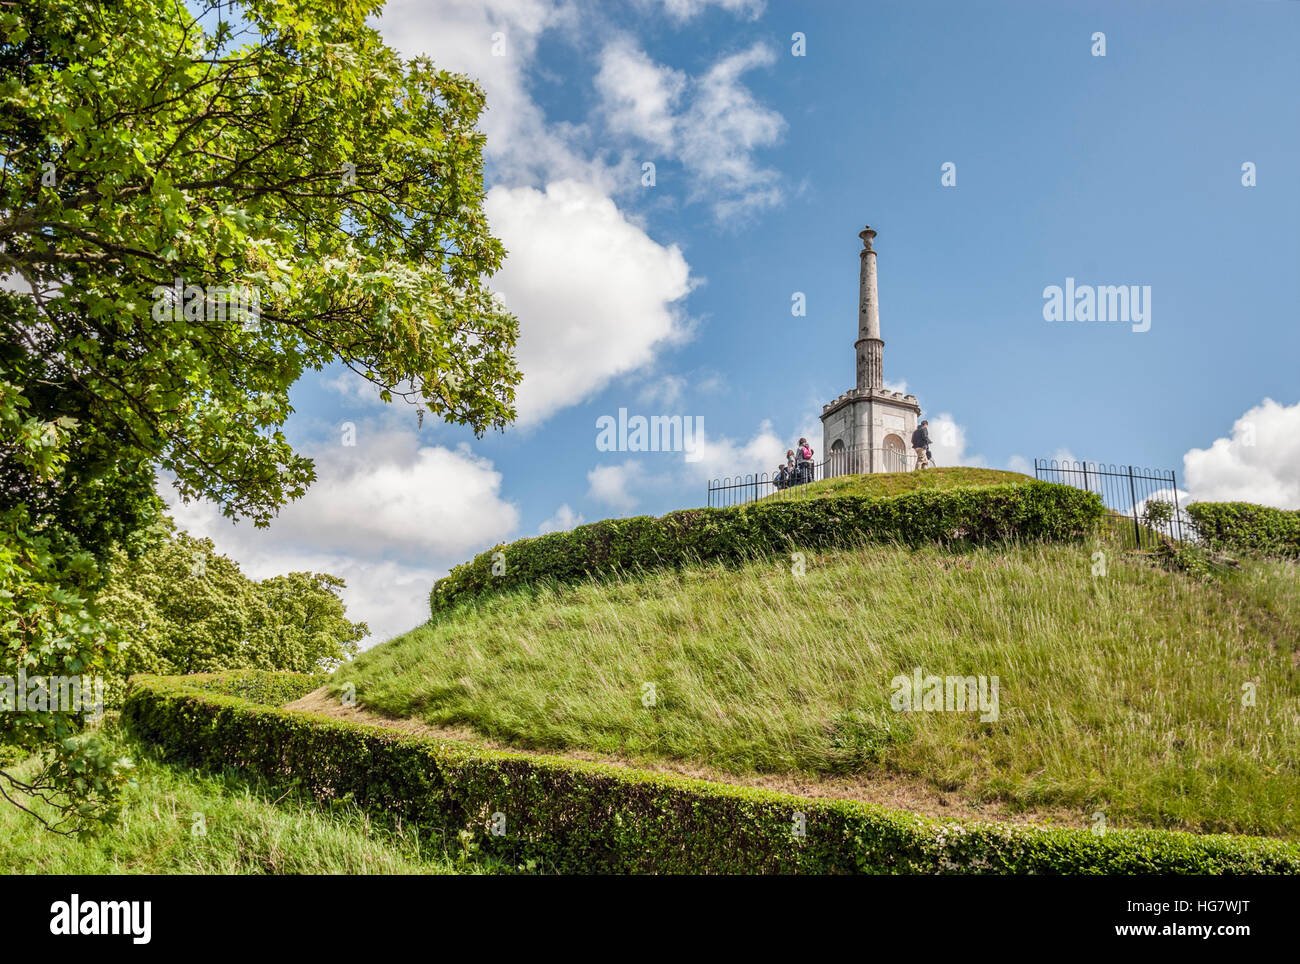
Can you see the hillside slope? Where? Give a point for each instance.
(1118, 693)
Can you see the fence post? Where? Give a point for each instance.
(1177, 525)
(1132, 492)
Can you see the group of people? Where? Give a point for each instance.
(797, 468)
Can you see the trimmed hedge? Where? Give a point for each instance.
(1246, 527)
(1026, 510)
(571, 816)
(266, 687)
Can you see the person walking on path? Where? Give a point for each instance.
(921, 443)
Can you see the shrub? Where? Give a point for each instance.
(263, 687)
(1158, 513)
(572, 816)
(1245, 527)
(1031, 510)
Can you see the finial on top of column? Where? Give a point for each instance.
(866, 234)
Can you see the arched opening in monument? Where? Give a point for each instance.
(837, 464)
(895, 459)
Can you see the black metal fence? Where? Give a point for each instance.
(1129, 492)
(740, 489)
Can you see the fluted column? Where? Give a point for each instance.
(870, 347)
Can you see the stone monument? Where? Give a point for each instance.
(869, 428)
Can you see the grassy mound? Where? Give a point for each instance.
(1120, 693)
(884, 484)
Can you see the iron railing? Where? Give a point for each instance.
(741, 489)
(1127, 491)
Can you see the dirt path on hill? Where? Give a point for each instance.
(897, 793)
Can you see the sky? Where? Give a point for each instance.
(998, 148)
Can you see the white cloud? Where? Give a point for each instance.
(639, 97)
(563, 520)
(596, 297)
(948, 442)
(623, 485)
(720, 131)
(665, 391)
(353, 387)
(388, 515)
(1260, 463)
(721, 456)
(390, 597)
(712, 124)
(495, 42)
(613, 484)
(689, 9)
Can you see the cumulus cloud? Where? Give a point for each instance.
(948, 442)
(625, 485)
(639, 96)
(712, 124)
(563, 520)
(683, 10)
(720, 132)
(388, 515)
(722, 456)
(666, 391)
(1259, 463)
(596, 297)
(613, 484)
(495, 42)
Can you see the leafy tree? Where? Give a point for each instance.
(179, 607)
(276, 149)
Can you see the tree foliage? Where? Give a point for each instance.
(274, 148)
(180, 607)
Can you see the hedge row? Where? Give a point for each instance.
(571, 816)
(267, 687)
(1030, 510)
(1245, 527)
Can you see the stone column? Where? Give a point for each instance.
(870, 348)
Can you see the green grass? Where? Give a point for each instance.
(247, 830)
(1118, 693)
(896, 483)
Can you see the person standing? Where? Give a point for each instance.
(921, 443)
(804, 457)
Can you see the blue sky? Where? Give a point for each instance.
(676, 298)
